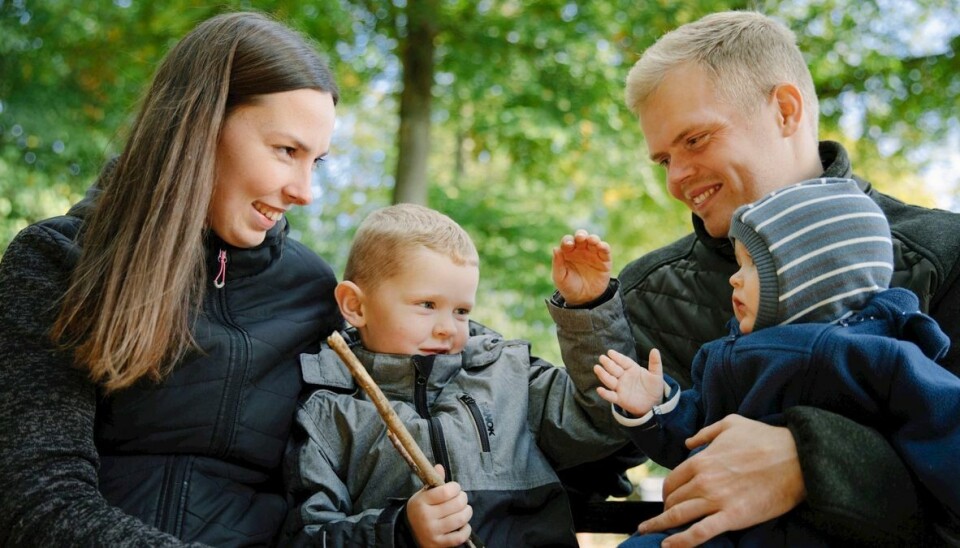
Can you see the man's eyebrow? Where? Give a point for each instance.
(676, 140)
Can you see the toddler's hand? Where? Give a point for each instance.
(628, 385)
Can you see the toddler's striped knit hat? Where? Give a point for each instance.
(821, 247)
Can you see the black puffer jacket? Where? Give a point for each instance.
(198, 455)
(678, 297)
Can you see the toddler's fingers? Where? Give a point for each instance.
(655, 364)
(606, 378)
(608, 395)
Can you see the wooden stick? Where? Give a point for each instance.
(396, 431)
(408, 447)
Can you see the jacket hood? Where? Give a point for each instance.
(394, 373)
(911, 325)
(821, 248)
(836, 164)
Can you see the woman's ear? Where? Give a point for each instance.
(790, 107)
(350, 299)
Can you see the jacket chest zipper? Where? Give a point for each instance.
(484, 427)
(437, 442)
(234, 376)
(221, 279)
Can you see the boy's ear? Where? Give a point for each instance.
(350, 299)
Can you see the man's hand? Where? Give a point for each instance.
(440, 516)
(748, 474)
(581, 267)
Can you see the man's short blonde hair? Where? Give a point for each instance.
(384, 239)
(747, 54)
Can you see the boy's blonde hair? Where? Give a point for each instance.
(746, 54)
(380, 247)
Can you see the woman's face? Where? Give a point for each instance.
(265, 158)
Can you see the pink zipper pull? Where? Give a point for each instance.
(221, 278)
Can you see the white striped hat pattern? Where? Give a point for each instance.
(822, 248)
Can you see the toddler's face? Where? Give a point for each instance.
(423, 309)
(746, 289)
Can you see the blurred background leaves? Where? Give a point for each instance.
(528, 135)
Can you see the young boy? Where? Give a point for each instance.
(815, 325)
(497, 419)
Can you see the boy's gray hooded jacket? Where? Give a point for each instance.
(497, 418)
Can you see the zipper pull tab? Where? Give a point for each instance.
(221, 278)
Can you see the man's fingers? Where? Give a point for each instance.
(678, 477)
(698, 533)
(676, 516)
(708, 433)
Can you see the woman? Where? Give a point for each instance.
(149, 339)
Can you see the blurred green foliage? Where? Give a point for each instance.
(530, 136)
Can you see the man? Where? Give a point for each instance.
(728, 108)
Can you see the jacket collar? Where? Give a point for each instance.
(244, 262)
(395, 374)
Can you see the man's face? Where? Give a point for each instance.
(716, 156)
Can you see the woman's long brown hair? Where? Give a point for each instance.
(139, 281)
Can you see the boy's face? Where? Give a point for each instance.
(423, 309)
(746, 289)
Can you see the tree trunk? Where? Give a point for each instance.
(413, 145)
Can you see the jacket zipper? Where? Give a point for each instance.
(478, 420)
(173, 494)
(437, 442)
(221, 279)
(234, 376)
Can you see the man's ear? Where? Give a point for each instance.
(350, 299)
(789, 102)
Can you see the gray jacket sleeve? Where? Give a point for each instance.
(574, 424)
(48, 460)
